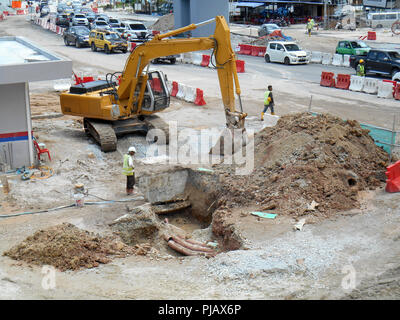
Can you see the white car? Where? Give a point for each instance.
(286, 52)
(396, 77)
(80, 20)
(135, 31)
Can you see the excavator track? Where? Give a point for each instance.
(103, 133)
(156, 122)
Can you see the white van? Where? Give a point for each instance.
(382, 20)
(286, 52)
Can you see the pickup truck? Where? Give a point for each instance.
(385, 62)
(352, 47)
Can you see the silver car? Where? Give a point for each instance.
(80, 20)
(267, 28)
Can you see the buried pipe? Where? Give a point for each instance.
(185, 250)
(191, 246)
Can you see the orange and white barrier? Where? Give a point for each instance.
(186, 93)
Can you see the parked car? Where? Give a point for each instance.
(102, 16)
(62, 20)
(99, 24)
(91, 16)
(107, 40)
(286, 52)
(119, 30)
(385, 62)
(44, 11)
(113, 22)
(77, 36)
(352, 47)
(80, 19)
(61, 7)
(136, 31)
(267, 28)
(86, 10)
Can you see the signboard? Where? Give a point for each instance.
(375, 3)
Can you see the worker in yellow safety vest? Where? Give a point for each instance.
(361, 68)
(268, 102)
(129, 170)
(309, 26)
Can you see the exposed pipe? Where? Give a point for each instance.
(191, 246)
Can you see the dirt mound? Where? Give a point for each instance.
(67, 247)
(165, 23)
(307, 158)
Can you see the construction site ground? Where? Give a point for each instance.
(275, 261)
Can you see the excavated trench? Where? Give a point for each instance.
(178, 212)
(187, 198)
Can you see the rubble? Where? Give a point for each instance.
(67, 247)
(165, 23)
(307, 159)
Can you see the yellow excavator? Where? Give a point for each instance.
(110, 110)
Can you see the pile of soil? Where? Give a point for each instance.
(307, 158)
(165, 23)
(67, 247)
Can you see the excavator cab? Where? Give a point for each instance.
(156, 95)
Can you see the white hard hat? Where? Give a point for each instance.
(132, 149)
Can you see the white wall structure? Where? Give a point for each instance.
(20, 63)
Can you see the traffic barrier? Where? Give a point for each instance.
(337, 60)
(356, 83)
(197, 58)
(343, 81)
(181, 91)
(385, 90)
(346, 60)
(245, 49)
(187, 57)
(20, 12)
(199, 101)
(190, 94)
(154, 32)
(205, 60)
(175, 88)
(239, 66)
(326, 58)
(362, 37)
(370, 86)
(397, 92)
(1, 17)
(316, 57)
(6, 13)
(393, 177)
(131, 46)
(394, 84)
(261, 52)
(327, 79)
(371, 35)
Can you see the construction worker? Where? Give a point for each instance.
(361, 68)
(309, 27)
(268, 102)
(129, 170)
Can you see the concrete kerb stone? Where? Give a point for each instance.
(316, 57)
(370, 86)
(337, 60)
(385, 90)
(356, 83)
(326, 58)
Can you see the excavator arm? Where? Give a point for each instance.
(159, 46)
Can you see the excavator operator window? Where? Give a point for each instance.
(159, 91)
